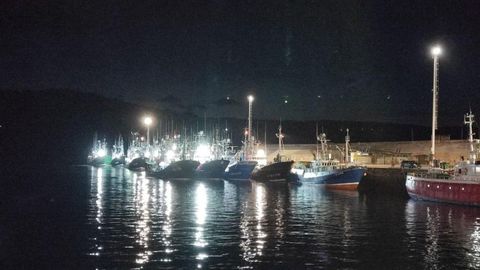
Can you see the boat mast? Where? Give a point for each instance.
(347, 150)
(435, 52)
(317, 139)
(468, 119)
(265, 138)
(280, 139)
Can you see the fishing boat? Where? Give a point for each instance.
(460, 186)
(278, 172)
(330, 172)
(138, 154)
(240, 170)
(244, 164)
(139, 164)
(118, 155)
(99, 154)
(214, 169)
(178, 170)
(179, 163)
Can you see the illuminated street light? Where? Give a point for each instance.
(249, 134)
(436, 51)
(148, 120)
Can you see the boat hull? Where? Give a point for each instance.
(117, 161)
(279, 172)
(214, 169)
(179, 170)
(443, 190)
(240, 171)
(344, 179)
(138, 165)
(97, 162)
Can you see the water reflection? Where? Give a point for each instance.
(475, 250)
(167, 223)
(96, 187)
(142, 198)
(253, 237)
(432, 235)
(200, 217)
(443, 233)
(137, 222)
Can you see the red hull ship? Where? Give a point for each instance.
(460, 186)
(458, 189)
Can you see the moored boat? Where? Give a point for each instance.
(330, 172)
(278, 172)
(118, 154)
(178, 170)
(460, 186)
(99, 154)
(244, 162)
(240, 170)
(138, 164)
(214, 169)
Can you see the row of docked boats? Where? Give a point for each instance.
(173, 159)
(213, 157)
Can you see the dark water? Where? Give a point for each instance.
(105, 218)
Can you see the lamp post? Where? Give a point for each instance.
(249, 134)
(436, 51)
(148, 120)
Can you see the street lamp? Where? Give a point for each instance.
(436, 51)
(148, 120)
(249, 134)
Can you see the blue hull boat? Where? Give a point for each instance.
(344, 178)
(240, 171)
(214, 169)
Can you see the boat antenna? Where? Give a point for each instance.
(469, 120)
(317, 139)
(280, 136)
(265, 138)
(347, 144)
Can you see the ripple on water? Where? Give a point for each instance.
(134, 221)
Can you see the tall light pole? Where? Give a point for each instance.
(148, 120)
(249, 134)
(436, 51)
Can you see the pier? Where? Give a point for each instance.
(381, 154)
(382, 159)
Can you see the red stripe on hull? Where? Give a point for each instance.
(349, 186)
(443, 191)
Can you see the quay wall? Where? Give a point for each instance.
(380, 154)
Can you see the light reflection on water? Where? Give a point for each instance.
(142, 207)
(141, 222)
(201, 215)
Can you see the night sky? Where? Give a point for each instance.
(342, 60)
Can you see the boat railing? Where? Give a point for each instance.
(430, 175)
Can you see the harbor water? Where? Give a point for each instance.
(111, 218)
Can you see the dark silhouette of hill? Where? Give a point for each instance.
(56, 127)
(53, 128)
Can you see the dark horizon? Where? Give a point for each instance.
(58, 127)
(341, 61)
